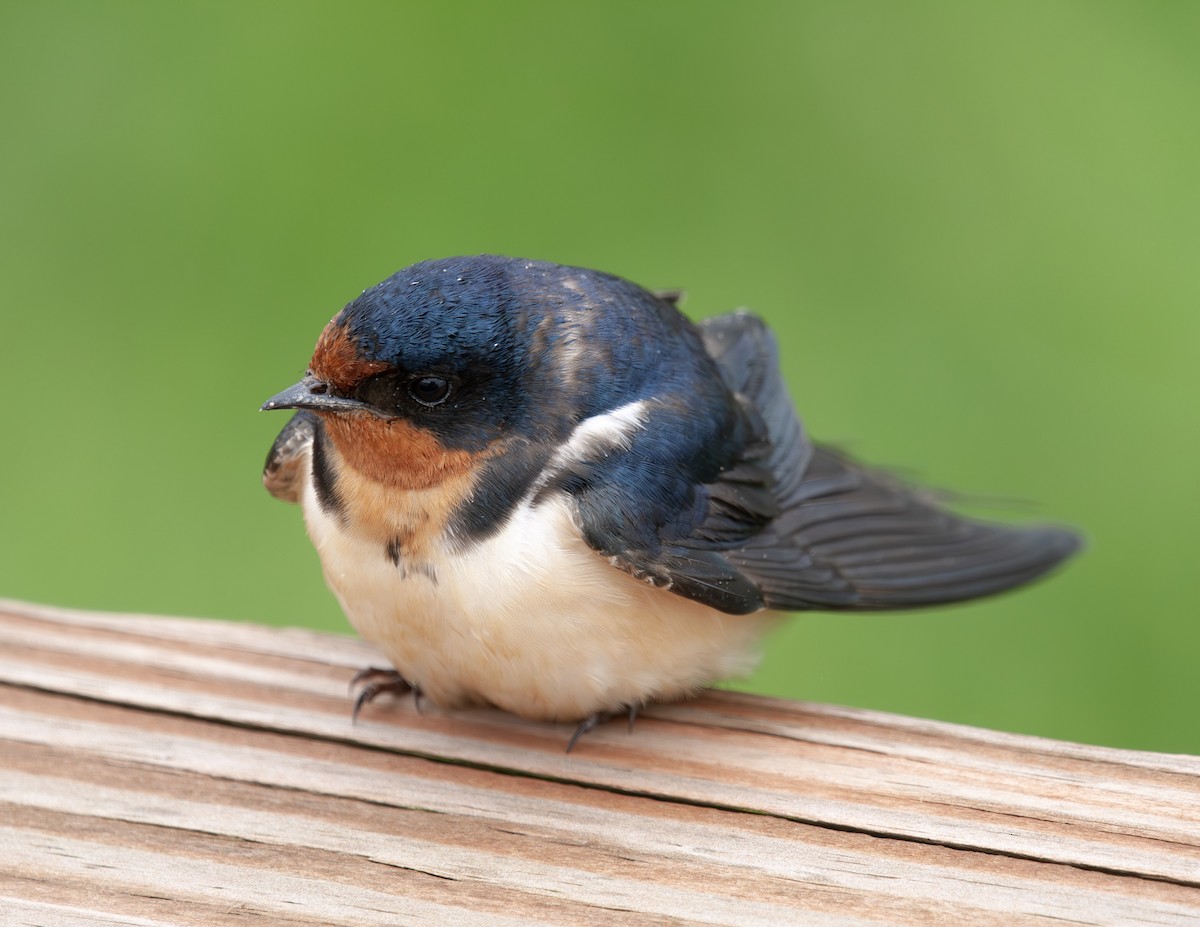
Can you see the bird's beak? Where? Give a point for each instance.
(312, 393)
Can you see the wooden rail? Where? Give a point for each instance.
(175, 771)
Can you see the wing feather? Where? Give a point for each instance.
(287, 461)
(753, 514)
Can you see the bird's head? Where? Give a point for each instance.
(438, 345)
(464, 356)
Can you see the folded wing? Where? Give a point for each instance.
(783, 523)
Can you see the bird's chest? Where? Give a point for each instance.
(530, 620)
(509, 621)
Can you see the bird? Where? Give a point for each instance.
(542, 488)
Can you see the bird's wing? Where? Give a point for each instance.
(852, 537)
(287, 461)
(747, 513)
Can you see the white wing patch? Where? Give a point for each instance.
(599, 435)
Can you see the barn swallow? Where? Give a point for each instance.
(542, 488)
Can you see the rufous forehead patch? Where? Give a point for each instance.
(336, 359)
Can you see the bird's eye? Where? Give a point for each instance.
(429, 390)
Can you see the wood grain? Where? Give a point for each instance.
(177, 771)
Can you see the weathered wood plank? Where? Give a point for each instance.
(196, 772)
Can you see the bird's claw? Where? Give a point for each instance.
(375, 681)
(591, 721)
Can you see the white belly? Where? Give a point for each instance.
(532, 620)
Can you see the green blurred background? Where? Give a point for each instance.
(974, 226)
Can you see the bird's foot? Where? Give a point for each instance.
(375, 681)
(591, 721)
